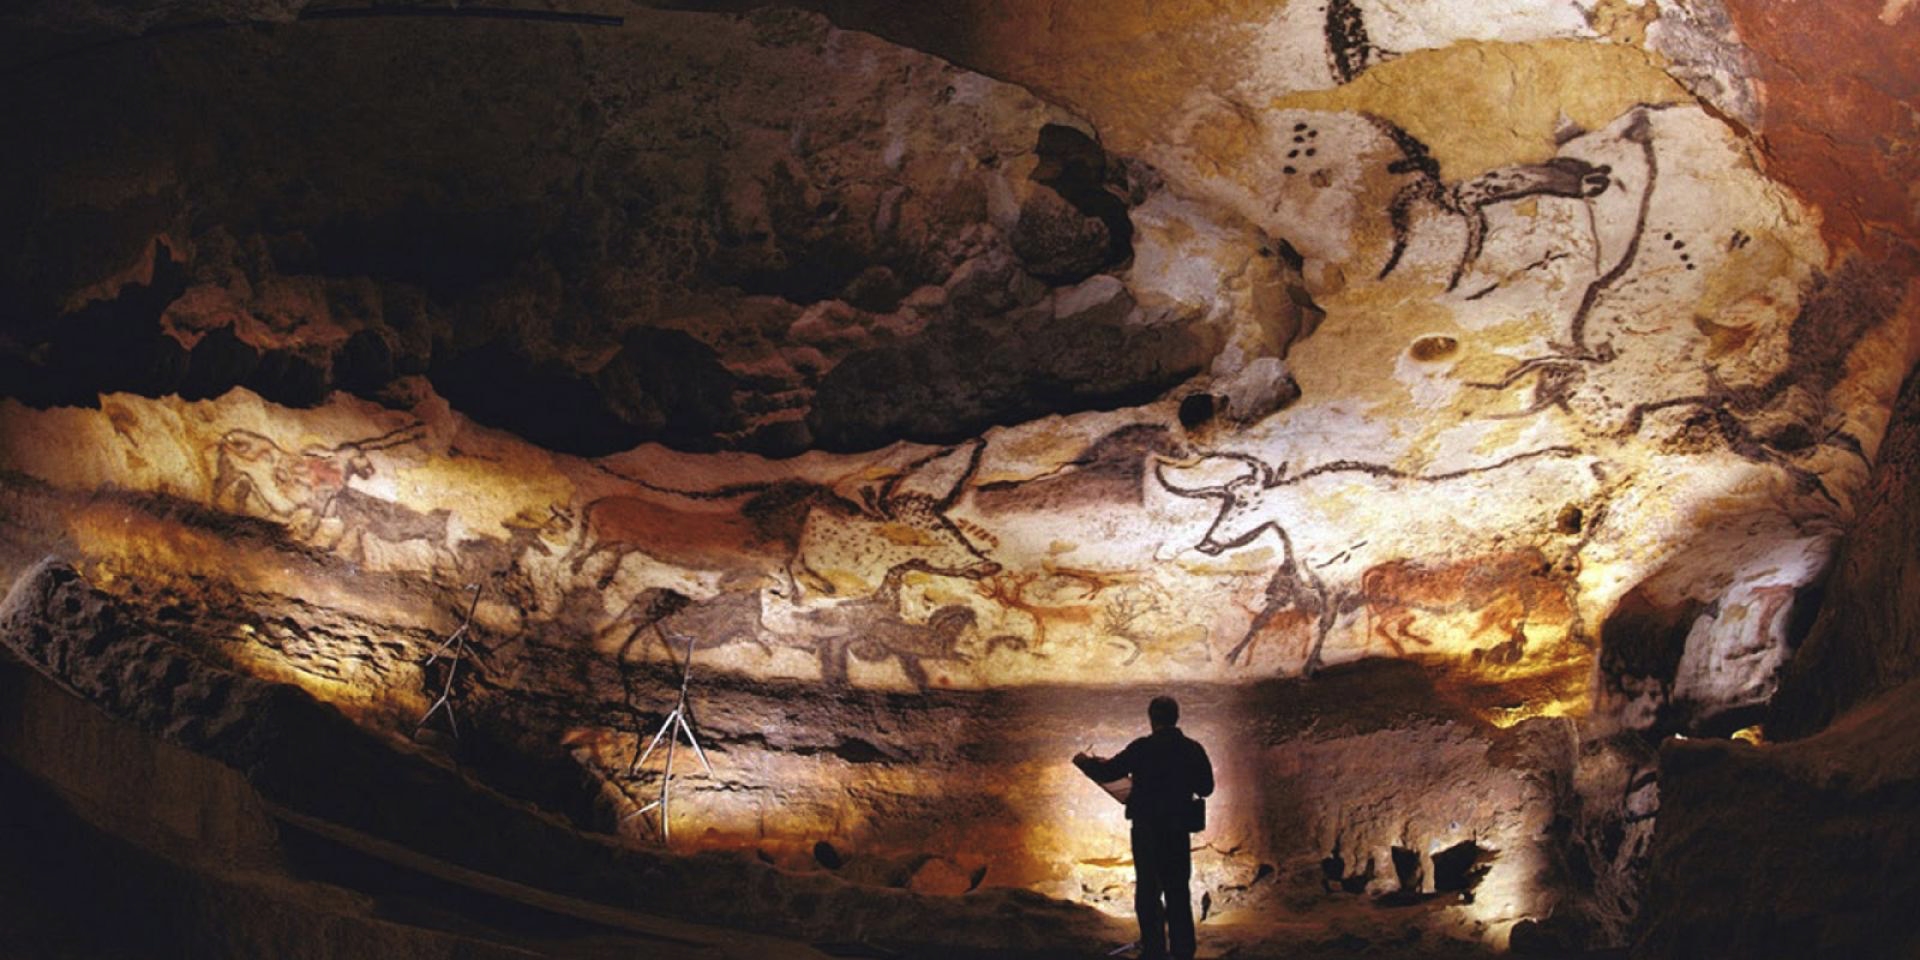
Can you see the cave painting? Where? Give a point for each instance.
(615, 527)
(1350, 51)
(1568, 177)
(834, 632)
(1294, 600)
(673, 620)
(1575, 350)
(1743, 418)
(253, 474)
(898, 526)
(849, 536)
(1054, 597)
(1504, 590)
(1259, 498)
(363, 515)
(1263, 498)
(872, 630)
(531, 533)
(1143, 616)
(858, 553)
(1049, 564)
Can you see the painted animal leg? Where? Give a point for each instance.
(915, 672)
(833, 660)
(352, 543)
(1400, 217)
(1396, 628)
(1321, 628)
(1254, 630)
(446, 558)
(1476, 236)
(229, 487)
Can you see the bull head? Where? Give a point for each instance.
(1243, 501)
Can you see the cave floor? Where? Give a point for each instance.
(69, 889)
(80, 877)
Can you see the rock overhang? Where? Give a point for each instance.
(1515, 360)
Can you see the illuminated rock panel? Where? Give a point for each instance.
(1470, 379)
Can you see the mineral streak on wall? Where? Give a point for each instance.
(1445, 406)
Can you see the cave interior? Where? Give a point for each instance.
(591, 478)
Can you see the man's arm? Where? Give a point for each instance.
(1202, 771)
(1106, 771)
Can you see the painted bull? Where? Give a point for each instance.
(1263, 498)
(252, 473)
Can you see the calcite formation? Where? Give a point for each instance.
(1445, 404)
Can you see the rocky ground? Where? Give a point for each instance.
(957, 802)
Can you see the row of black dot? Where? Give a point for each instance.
(1680, 245)
(1302, 135)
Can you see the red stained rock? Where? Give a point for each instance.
(1837, 120)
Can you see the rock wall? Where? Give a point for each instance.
(1863, 642)
(1759, 850)
(619, 236)
(1260, 353)
(282, 764)
(1815, 857)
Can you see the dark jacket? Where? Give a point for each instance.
(1168, 771)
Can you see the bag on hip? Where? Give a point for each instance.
(1196, 819)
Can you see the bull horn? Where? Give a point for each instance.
(1259, 466)
(1216, 492)
(1183, 463)
(392, 438)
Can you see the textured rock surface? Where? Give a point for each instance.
(1866, 639)
(1448, 404)
(635, 241)
(304, 756)
(1817, 859)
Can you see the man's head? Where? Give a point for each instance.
(1163, 712)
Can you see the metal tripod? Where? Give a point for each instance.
(457, 642)
(671, 729)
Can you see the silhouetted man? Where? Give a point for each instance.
(1169, 771)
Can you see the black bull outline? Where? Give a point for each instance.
(1294, 585)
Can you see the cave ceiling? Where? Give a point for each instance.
(1006, 345)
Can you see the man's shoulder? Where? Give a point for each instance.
(1192, 745)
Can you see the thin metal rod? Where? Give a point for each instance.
(666, 786)
(460, 633)
(446, 700)
(641, 758)
(671, 728)
(694, 742)
(458, 641)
